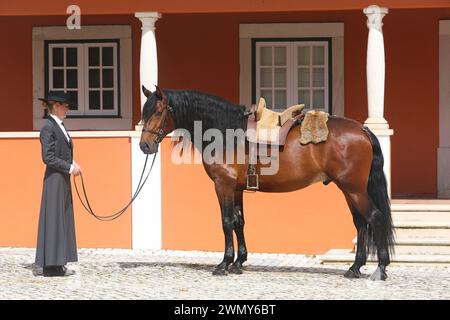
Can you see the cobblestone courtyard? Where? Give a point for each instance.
(127, 274)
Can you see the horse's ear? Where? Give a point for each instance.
(146, 92)
(160, 93)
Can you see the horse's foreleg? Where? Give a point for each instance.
(239, 230)
(361, 243)
(226, 201)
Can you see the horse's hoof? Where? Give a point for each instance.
(235, 269)
(219, 272)
(378, 275)
(352, 274)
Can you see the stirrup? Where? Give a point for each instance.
(252, 182)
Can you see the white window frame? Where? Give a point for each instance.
(115, 110)
(334, 31)
(292, 85)
(258, 67)
(83, 77)
(64, 68)
(122, 33)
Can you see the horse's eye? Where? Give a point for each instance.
(158, 113)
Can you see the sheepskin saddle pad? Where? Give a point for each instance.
(314, 127)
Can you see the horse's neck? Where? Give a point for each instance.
(199, 109)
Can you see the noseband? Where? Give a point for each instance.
(160, 132)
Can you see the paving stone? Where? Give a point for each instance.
(168, 274)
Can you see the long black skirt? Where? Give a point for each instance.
(56, 240)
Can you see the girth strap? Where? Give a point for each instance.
(252, 178)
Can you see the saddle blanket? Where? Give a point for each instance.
(314, 127)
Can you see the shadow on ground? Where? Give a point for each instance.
(36, 270)
(252, 268)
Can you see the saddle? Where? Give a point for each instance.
(271, 127)
(265, 126)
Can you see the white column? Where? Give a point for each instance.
(148, 70)
(375, 66)
(146, 209)
(375, 84)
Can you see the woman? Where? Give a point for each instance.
(56, 241)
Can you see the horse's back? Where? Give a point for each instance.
(346, 152)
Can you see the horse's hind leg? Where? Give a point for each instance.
(377, 231)
(361, 253)
(239, 222)
(225, 196)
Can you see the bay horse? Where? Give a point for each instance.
(351, 157)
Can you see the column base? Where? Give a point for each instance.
(384, 137)
(377, 123)
(381, 131)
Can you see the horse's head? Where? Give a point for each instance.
(157, 118)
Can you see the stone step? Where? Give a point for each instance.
(420, 241)
(421, 225)
(424, 207)
(415, 234)
(421, 219)
(345, 256)
(421, 236)
(422, 249)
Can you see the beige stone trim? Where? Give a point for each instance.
(293, 30)
(122, 32)
(75, 134)
(275, 30)
(444, 27)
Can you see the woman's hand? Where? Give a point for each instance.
(76, 169)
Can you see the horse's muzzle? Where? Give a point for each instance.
(149, 148)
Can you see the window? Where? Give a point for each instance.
(72, 61)
(293, 72)
(89, 72)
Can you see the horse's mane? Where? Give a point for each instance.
(214, 112)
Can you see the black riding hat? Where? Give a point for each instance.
(57, 96)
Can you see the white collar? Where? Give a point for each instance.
(58, 120)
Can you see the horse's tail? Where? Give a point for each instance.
(378, 193)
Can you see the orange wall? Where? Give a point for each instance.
(106, 167)
(310, 221)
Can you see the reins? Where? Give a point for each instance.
(159, 136)
(116, 215)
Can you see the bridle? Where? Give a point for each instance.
(160, 132)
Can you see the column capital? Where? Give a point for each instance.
(148, 19)
(375, 15)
